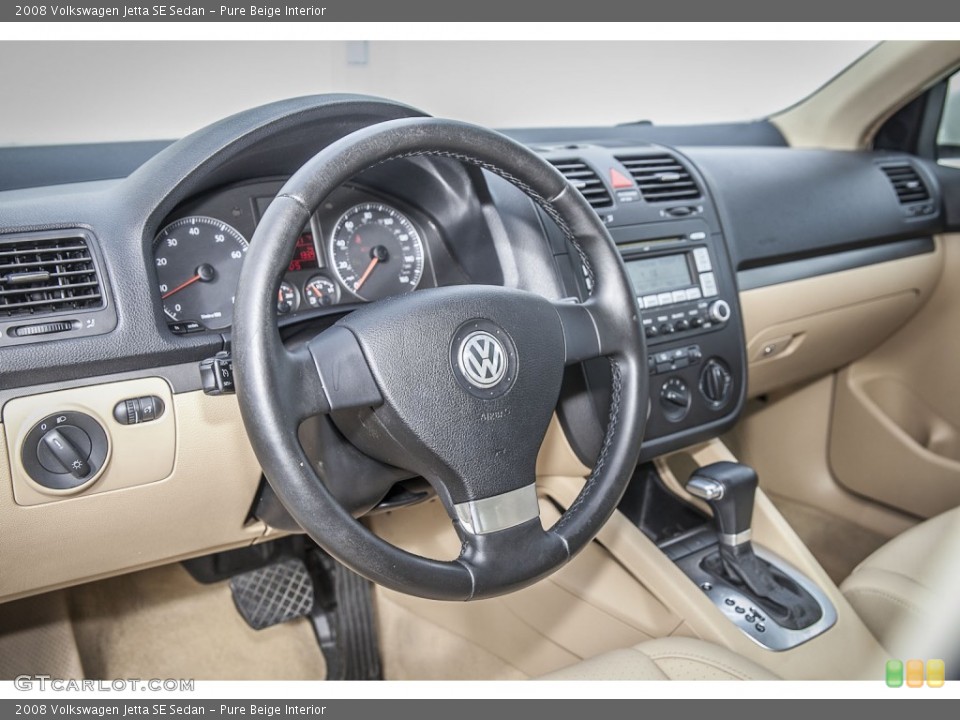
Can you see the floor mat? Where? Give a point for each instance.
(161, 623)
(839, 545)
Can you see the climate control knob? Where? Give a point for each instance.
(719, 311)
(675, 399)
(716, 383)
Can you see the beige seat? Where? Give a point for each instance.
(666, 659)
(895, 585)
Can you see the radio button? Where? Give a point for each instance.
(665, 298)
(679, 296)
(698, 236)
(694, 294)
(708, 283)
(701, 257)
(650, 301)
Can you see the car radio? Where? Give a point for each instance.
(676, 289)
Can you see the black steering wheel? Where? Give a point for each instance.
(457, 384)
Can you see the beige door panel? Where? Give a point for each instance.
(895, 434)
(798, 330)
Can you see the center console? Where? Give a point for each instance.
(663, 221)
(689, 311)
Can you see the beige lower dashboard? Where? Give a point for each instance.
(178, 486)
(184, 486)
(798, 330)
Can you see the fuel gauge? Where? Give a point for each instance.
(321, 291)
(288, 299)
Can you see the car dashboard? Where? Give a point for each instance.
(700, 220)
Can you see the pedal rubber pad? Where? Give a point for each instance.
(274, 594)
(357, 629)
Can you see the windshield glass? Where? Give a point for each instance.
(76, 92)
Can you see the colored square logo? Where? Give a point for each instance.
(914, 673)
(936, 673)
(894, 673)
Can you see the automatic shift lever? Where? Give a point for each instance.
(729, 488)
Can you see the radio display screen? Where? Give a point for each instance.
(656, 274)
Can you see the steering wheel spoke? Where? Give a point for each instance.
(585, 334)
(499, 512)
(298, 388)
(506, 547)
(342, 370)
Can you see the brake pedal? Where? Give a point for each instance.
(274, 594)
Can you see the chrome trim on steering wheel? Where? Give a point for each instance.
(499, 512)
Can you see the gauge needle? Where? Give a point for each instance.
(366, 273)
(181, 286)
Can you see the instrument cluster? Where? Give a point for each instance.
(357, 247)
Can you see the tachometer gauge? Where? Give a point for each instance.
(198, 263)
(320, 291)
(376, 251)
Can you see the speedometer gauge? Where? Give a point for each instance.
(198, 263)
(376, 251)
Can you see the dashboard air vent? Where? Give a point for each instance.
(906, 182)
(661, 178)
(586, 181)
(46, 275)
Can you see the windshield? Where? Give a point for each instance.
(81, 92)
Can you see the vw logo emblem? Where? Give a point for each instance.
(482, 359)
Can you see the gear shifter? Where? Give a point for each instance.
(729, 489)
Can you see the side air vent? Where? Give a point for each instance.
(661, 178)
(44, 275)
(907, 183)
(586, 181)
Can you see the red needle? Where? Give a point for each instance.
(366, 273)
(178, 288)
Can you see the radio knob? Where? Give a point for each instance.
(719, 311)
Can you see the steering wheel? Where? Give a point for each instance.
(457, 384)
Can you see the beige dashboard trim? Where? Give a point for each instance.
(820, 324)
(139, 454)
(201, 506)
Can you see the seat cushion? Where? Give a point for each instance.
(895, 585)
(666, 659)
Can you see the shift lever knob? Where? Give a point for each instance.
(729, 489)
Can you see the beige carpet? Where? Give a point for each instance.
(413, 648)
(839, 545)
(161, 623)
(36, 638)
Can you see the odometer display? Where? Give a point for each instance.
(198, 262)
(376, 252)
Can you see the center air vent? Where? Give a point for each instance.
(45, 275)
(586, 181)
(906, 182)
(661, 178)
